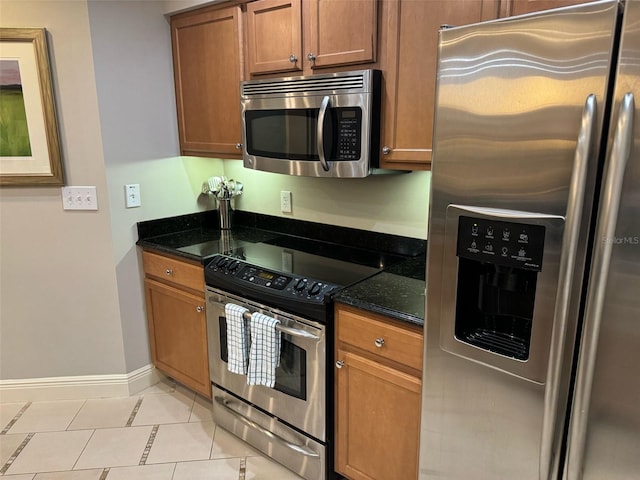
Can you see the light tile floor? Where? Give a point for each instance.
(164, 433)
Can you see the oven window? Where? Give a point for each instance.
(291, 374)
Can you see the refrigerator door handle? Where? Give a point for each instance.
(605, 232)
(552, 421)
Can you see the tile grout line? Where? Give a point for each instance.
(104, 474)
(13, 457)
(243, 468)
(15, 419)
(134, 412)
(147, 449)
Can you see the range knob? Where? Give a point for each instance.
(315, 288)
(300, 285)
(221, 262)
(233, 266)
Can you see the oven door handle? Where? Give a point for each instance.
(294, 332)
(292, 446)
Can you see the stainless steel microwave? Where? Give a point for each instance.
(318, 125)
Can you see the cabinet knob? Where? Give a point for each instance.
(293, 59)
(311, 57)
(238, 146)
(339, 364)
(199, 309)
(386, 150)
(169, 272)
(379, 342)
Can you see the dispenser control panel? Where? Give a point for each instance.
(511, 244)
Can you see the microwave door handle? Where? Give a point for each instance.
(320, 133)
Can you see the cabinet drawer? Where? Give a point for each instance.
(174, 271)
(381, 337)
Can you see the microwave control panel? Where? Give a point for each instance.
(349, 133)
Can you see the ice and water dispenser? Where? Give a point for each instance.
(498, 275)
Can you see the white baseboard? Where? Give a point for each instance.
(80, 387)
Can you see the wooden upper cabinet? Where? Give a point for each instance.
(302, 37)
(409, 40)
(517, 7)
(274, 36)
(341, 33)
(208, 67)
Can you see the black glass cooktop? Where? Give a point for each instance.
(327, 267)
(295, 274)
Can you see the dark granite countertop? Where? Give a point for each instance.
(397, 291)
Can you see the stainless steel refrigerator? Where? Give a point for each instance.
(532, 332)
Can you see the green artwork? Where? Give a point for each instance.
(14, 132)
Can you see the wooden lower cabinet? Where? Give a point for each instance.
(177, 321)
(378, 397)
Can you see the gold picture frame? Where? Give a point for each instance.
(30, 153)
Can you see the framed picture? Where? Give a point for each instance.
(29, 142)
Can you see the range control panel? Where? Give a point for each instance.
(223, 270)
(511, 244)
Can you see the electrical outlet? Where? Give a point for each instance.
(285, 201)
(79, 198)
(132, 195)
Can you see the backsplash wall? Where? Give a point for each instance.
(395, 203)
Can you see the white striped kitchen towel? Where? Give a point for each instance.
(264, 355)
(237, 339)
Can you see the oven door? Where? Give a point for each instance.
(299, 394)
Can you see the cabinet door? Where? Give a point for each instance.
(410, 40)
(178, 335)
(340, 32)
(377, 420)
(274, 36)
(518, 7)
(208, 70)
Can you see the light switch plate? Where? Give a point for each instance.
(79, 198)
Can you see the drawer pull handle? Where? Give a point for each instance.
(379, 342)
(169, 272)
(340, 364)
(199, 309)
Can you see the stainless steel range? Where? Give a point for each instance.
(292, 281)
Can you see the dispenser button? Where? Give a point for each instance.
(489, 232)
(524, 238)
(506, 234)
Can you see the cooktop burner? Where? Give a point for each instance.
(293, 274)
